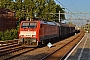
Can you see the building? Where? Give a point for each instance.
(7, 19)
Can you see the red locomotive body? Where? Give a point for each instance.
(33, 33)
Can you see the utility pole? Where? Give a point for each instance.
(59, 17)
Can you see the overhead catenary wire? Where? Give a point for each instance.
(68, 10)
(76, 9)
(74, 6)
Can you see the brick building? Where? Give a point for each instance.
(7, 19)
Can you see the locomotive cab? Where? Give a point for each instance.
(27, 33)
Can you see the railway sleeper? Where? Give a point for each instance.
(5, 50)
(11, 51)
(16, 54)
(1, 48)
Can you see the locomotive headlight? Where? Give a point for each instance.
(21, 35)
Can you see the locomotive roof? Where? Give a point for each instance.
(46, 22)
(53, 23)
(64, 24)
(42, 22)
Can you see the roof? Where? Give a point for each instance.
(4, 11)
(42, 22)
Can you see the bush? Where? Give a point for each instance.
(14, 33)
(9, 34)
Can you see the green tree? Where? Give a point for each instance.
(18, 5)
(39, 9)
(34, 8)
(50, 7)
(44, 8)
(29, 6)
(58, 8)
(5, 3)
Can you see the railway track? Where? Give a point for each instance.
(44, 52)
(63, 51)
(10, 50)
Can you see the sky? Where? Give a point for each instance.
(76, 6)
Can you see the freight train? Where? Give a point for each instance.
(36, 33)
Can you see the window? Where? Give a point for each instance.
(29, 25)
(25, 25)
(33, 25)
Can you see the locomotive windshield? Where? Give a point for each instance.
(29, 25)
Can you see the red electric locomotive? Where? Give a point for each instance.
(34, 33)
